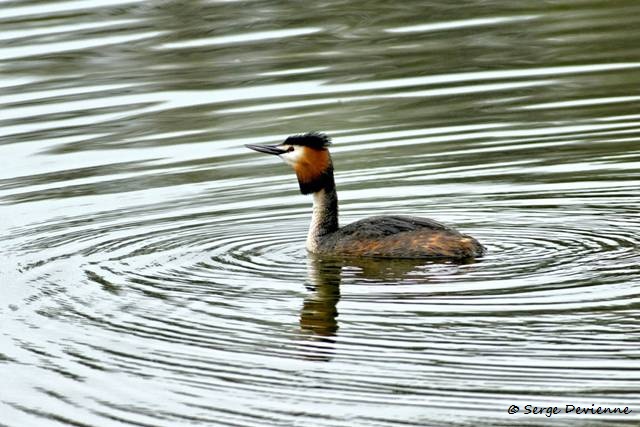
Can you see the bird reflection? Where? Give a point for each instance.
(319, 313)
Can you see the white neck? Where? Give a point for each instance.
(324, 219)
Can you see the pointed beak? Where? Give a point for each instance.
(269, 149)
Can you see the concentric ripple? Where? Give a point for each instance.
(154, 272)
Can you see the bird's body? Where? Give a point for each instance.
(377, 236)
(399, 237)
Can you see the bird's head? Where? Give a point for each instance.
(308, 155)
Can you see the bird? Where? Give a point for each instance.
(388, 236)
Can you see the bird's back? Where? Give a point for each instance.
(400, 237)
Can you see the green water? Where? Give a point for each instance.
(153, 270)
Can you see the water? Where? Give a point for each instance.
(153, 269)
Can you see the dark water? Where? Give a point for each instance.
(153, 270)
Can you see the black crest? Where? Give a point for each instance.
(312, 140)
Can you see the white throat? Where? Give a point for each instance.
(319, 208)
(324, 220)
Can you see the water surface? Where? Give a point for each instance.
(153, 270)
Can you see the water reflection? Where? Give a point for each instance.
(319, 312)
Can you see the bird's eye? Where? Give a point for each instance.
(290, 149)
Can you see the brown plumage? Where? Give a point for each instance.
(311, 164)
(378, 236)
(400, 237)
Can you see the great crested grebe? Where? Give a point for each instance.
(377, 236)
